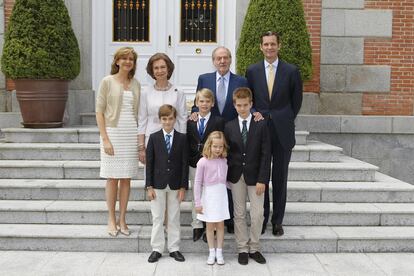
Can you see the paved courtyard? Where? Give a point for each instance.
(87, 263)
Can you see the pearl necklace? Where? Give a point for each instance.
(168, 87)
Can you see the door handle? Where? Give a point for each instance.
(169, 41)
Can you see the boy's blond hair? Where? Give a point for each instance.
(206, 93)
(207, 146)
(242, 93)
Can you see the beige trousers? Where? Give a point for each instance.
(247, 242)
(158, 205)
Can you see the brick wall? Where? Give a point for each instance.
(397, 52)
(313, 18)
(8, 7)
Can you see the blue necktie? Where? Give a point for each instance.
(201, 127)
(244, 132)
(221, 95)
(168, 142)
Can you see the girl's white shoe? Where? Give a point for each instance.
(220, 260)
(219, 256)
(211, 257)
(211, 260)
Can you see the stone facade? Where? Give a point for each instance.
(385, 141)
(345, 26)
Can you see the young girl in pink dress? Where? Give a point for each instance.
(210, 193)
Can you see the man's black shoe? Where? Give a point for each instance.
(197, 233)
(258, 257)
(277, 230)
(263, 229)
(230, 228)
(177, 256)
(243, 258)
(154, 257)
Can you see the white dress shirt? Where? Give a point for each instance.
(274, 64)
(207, 117)
(172, 136)
(249, 118)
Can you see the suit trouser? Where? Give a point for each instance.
(195, 223)
(158, 205)
(240, 191)
(280, 167)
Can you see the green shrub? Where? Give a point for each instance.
(285, 17)
(39, 42)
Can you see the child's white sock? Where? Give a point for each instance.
(212, 256)
(219, 256)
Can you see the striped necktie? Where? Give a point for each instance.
(244, 132)
(201, 127)
(168, 142)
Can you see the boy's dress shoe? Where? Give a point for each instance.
(197, 233)
(177, 256)
(243, 258)
(258, 257)
(154, 257)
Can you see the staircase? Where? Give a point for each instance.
(51, 198)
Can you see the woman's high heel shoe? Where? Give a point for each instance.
(125, 232)
(113, 233)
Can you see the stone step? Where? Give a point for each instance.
(10, 119)
(348, 169)
(297, 239)
(49, 151)
(385, 189)
(139, 212)
(82, 134)
(88, 119)
(52, 135)
(313, 151)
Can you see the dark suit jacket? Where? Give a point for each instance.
(286, 99)
(164, 169)
(196, 142)
(209, 81)
(252, 160)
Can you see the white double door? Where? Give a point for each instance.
(190, 58)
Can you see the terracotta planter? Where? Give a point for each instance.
(42, 102)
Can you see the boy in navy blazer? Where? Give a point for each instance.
(166, 181)
(249, 173)
(197, 133)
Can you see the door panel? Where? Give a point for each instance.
(165, 23)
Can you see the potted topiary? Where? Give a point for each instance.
(41, 54)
